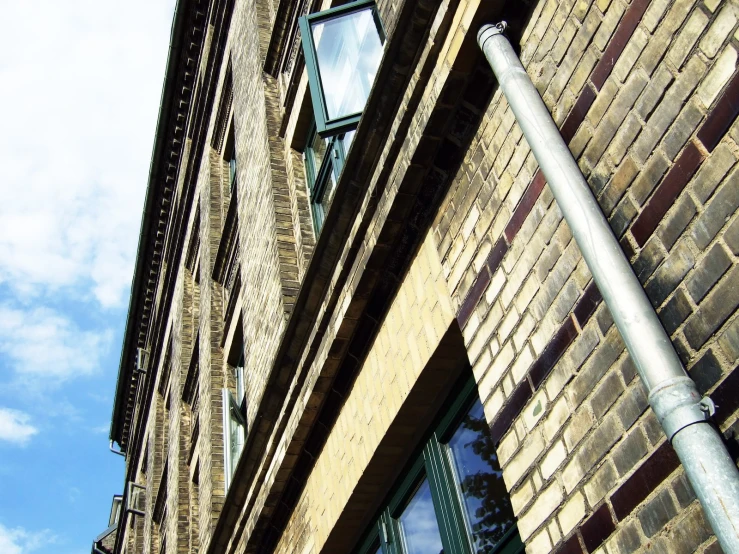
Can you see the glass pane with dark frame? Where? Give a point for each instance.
(317, 148)
(348, 49)
(419, 527)
(236, 440)
(232, 172)
(479, 479)
(459, 503)
(324, 160)
(343, 49)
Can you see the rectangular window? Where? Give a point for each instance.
(234, 422)
(324, 160)
(229, 154)
(343, 49)
(453, 499)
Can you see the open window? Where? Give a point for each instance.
(343, 49)
(115, 510)
(234, 409)
(324, 159)
(136, 499)
(229, 155)
(234, 430)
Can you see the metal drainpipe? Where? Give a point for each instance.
(672, 394)
(114, 451)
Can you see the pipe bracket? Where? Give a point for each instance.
(677, 404)
(490, 30)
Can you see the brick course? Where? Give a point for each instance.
(454, 252)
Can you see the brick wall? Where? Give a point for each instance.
(415, 325)
(261, 271)
(643, 94)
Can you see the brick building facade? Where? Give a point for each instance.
(282, 373)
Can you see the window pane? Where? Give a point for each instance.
(236, 439)
(347, 140)
(480, 481)
(418, 525)
(317, 149)
(349, 50)
(240, 384)
(328, 192)
(232, 173)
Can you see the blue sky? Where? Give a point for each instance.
(80, 84)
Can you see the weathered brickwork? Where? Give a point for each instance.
(444, 251)
(262, 289)
(414, 326)
(634, 88)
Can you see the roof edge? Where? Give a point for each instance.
(125, 364)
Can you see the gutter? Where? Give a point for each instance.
(129, 336)
(684, 416)
(125, 369)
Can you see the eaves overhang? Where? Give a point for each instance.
(162, 174)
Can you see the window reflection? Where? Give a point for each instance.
(480, 481)
(419, 528)
(318, 148)
(328, 192)
(347, 140)
(349, 50)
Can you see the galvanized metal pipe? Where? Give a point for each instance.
(672, 394)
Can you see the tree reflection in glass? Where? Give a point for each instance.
(349, 50)
(419, 528)
(480, 481)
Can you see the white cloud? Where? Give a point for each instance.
(78, 106)
(20, 541)
(101, 429)
(15, 427)
(46, 348)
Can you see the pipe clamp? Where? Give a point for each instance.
(678, 404)
(490, 30)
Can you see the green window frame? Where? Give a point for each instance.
(326, 124)
(323, 170)
(434, 464)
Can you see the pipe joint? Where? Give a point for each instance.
(114, 451)
(678, 404)
(490, 30)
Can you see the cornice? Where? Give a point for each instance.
(186, 39)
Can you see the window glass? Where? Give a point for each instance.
(232, 172)
(418, 525)
(328, 193)
(349, 50)
(347, 140)
(480, 481)
(317, 149)
(237, 437)
(240, 382)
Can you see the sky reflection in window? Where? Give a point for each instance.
(419, 528)
(349, 50)
(480, 481)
